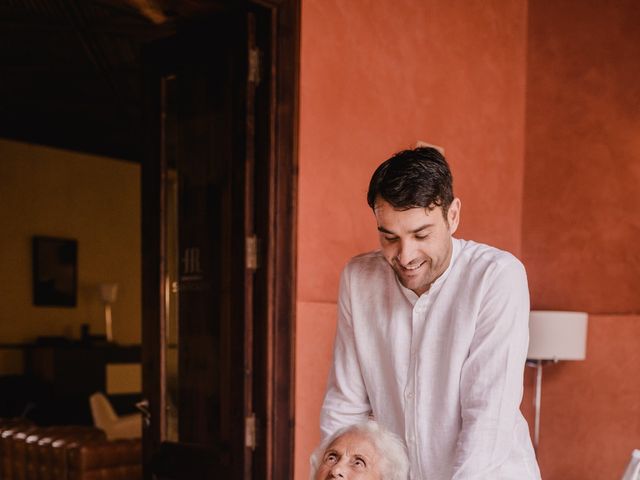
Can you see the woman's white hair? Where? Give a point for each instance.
(394, 462)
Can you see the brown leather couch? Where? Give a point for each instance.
(9, 427)
(66, 453)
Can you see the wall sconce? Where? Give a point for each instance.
(108, 294)
(554, 336)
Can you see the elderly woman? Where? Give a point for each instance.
(362, 451)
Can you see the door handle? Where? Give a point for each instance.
(143, 406)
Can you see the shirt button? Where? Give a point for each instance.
(410, 395)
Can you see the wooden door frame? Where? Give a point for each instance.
(279, 428)
(283, 221)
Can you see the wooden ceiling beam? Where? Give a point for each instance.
(76, 71)
(130, 29)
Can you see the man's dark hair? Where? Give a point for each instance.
(413, 178)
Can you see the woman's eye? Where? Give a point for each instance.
(359, 463)
(331, 458)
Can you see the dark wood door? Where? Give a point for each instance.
(200, 179)
(218, 245)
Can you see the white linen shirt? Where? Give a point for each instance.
(444, 370)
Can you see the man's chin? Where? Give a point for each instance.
(411, 283)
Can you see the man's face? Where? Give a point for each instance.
(416, 242)
(351, 456)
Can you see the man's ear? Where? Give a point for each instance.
(453, 215)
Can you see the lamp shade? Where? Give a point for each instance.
(557, 335)
(108, 292)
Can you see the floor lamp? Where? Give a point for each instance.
(553, 336)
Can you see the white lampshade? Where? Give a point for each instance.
(557, 335)
(108, 292)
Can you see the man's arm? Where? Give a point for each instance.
(346, 400)
(492, 376)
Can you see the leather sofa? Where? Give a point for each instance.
(66, 453)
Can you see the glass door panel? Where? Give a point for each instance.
(169, 151)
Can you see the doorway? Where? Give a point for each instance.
(218, 246)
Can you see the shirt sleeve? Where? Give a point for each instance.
(346, 400)
(491, 381)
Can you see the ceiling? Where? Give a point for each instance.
(70, 70)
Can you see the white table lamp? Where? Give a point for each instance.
(554, 336)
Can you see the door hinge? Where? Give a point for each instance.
(254, 65)
(251, 252)
(250, 431)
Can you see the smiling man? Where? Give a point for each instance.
(432, 333)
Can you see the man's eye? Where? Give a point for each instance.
(421, 237)
(391, 239)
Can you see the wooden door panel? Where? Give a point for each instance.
(199, 342)
(220, 167)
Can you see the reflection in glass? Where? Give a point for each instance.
(171, 258)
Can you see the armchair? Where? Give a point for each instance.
(114, 426)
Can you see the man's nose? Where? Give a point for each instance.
(406, 253)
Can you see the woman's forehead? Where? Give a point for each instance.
(354, 442)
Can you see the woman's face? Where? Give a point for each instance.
(351, 456)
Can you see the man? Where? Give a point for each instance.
(363, 451)
(432, 333)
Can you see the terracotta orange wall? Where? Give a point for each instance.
(590, 415)
(582, 195)
(375, 77)
(581, 223)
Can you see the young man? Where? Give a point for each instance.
(432, 333)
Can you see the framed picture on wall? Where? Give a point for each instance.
(55, 271)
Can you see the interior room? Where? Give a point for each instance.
(56, 354)
(536, 104)
(141, 198)
(94, 201)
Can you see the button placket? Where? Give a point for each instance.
(419, 317)
(410, 391)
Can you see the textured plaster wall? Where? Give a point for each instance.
(581, 197)
(590, 415)
(96, 200)
(581, 224)
(375, 77)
